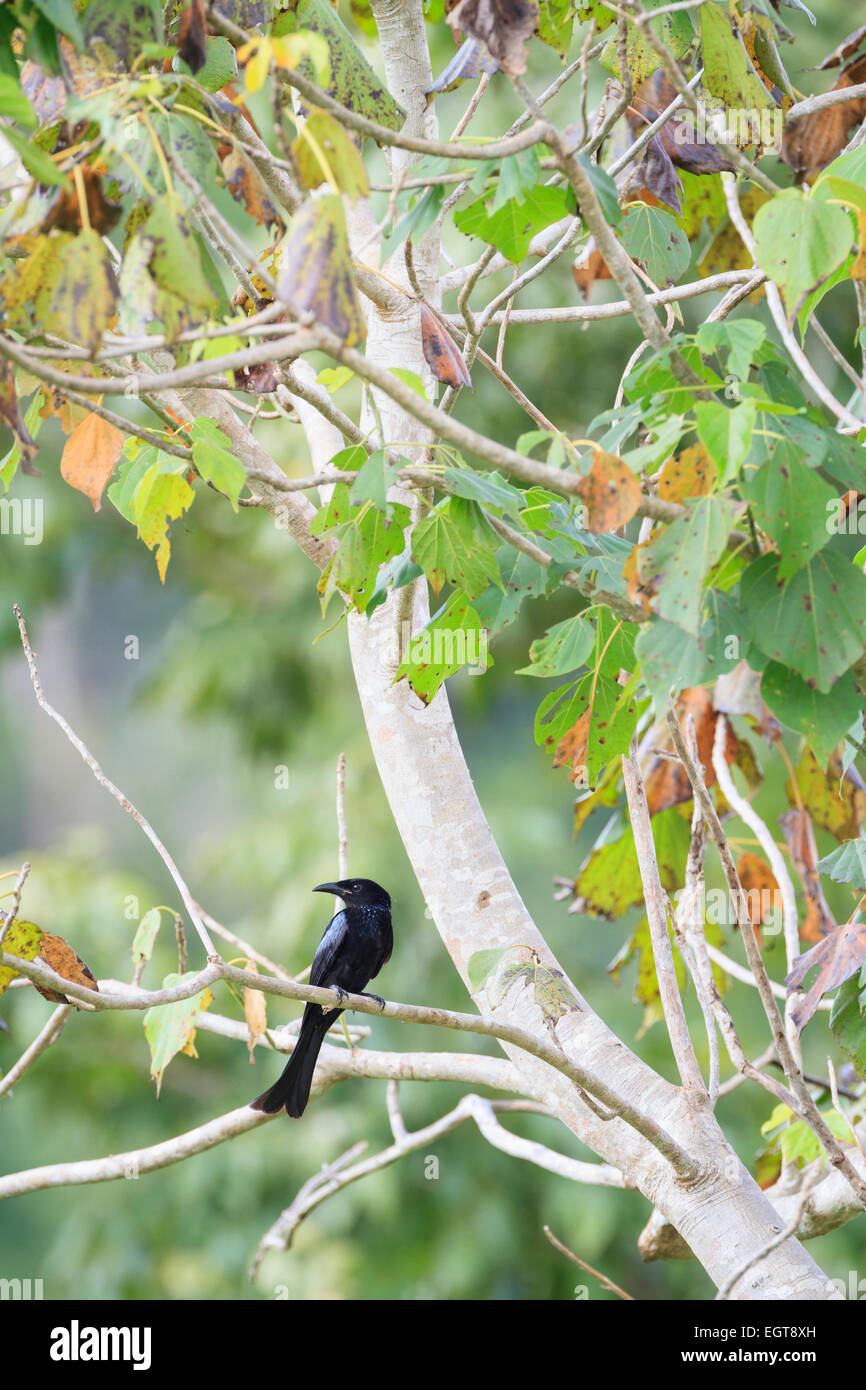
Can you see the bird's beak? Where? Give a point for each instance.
(329, 888)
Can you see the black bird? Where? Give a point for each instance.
(356, 943)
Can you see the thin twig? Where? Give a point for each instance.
(114, 791)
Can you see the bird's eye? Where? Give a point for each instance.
(356, 887)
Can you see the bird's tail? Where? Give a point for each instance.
(292, 1090)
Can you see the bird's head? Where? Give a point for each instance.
(357, 892)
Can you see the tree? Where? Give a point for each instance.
(702, 531)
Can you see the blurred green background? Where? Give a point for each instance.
(229, 685)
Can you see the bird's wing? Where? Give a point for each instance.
(328, 950)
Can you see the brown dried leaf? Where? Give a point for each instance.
(260, 380)
(812, 143)
(844, 50)
(797, 829)
(89, 456)
(192, 35)
(65, 211)
(59, 955)
(441, 353)
(653, 179)
(838, 956)
(248, 188)
(610, 492)
(505, 26)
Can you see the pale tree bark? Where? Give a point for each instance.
(720, 1211)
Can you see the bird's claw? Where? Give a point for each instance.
(340, 993)
(377, 998)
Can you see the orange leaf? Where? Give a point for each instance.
(589, 267)
(610, 492)
(441, 353)
(690, 474)
(572, 746)
(59, 955)
(667, 782)
(760, 887)
(89, 456)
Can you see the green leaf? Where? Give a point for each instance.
(555, 23)
(352, 82)
(62, 14)
(846, 863)
(175, 260)
(848, 1024)
(220, 65)
(741, 337)
(605, 190)
(214, 460)
(552, 996)
(670, 660)
(522, 577)
(374, 478)
(366, 541)
(563, 648)
(490, 489)
(449, 545)
(170, 1028)
(518, 175)
(727, 433)
(15, 105)
(605, 715)
(317, 269)
(452, 639)
(325, 151)
(145, 937)
(513, 225)
(682, 556)
(800, 242)
(790, 502)
(34, 159)
(674, 30)
(159, 498)
(481, 965)
(814, 623)
(610, 882)
(823, 718)
(653, 238)
(728, 71)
